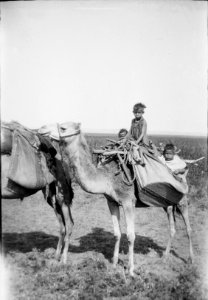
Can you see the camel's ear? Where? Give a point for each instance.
(43, 130)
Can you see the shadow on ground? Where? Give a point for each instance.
(26, 242)
(103, 242)
(98, 240)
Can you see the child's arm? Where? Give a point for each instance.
(193, 161)
(144, 131)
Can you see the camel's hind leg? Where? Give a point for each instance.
(68, 220)
(63, 214)
(169, 211)
(115, 214)
(129, 212)
(183, 207)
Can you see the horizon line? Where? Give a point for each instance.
(101, 131)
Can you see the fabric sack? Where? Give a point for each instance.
(157, 186)
(28, 166)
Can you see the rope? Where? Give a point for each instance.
(129, 183)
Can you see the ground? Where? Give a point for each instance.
(30, 231)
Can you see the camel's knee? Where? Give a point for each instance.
(172, 231)
(169, 210)
(189, 230)
(131, 237)
(68, 231)
(117, 237)
(117, 232)
(62, 231)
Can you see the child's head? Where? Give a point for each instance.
(169, 152)
(138, 110)
(122, 133)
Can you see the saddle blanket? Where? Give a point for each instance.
(28, 167)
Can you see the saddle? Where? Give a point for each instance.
(29, 163)
(155, 184)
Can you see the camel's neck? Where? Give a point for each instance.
(57, 147)
(90, 178)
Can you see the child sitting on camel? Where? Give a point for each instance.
(177, 165)
(138, 132)
(122, 134)
(138, 129)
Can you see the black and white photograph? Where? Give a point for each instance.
(104, 150)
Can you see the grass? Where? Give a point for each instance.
(39, 276)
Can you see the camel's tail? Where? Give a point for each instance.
(176, 211)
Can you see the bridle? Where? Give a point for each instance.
(62, 136)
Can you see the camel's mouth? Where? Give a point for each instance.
(44, 132)
(50, 131)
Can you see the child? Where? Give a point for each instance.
(122, 134)
(174, 162)
(138, 130)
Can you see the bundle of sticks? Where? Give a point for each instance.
(119, 149)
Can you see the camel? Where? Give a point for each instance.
(58, 193)
(102, 180)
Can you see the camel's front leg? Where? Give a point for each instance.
(169, 211)
(183, 207)
(115, 214)
(129, 212)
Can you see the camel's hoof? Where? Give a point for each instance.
(57, 256)
(132, 274)
(63, 260)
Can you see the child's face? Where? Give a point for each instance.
(138, 114)
(122, 134)
(169, 155)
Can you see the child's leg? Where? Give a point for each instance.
(141, 156)
(137, 155)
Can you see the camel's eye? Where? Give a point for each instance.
(62, 129)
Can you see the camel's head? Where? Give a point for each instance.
(68, 129)
(60, 131)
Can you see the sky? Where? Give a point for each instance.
(91, 61)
